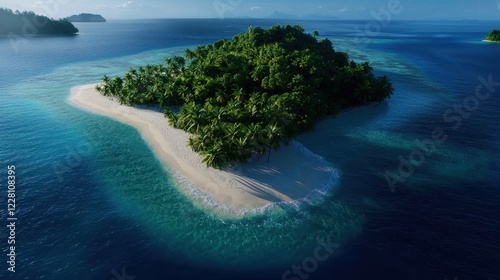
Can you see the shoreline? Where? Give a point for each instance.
(293, 175)
(489, 41)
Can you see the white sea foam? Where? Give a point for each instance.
(205, 201)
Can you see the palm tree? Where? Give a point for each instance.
(242, 148)
(254, 135)
(220, 97)
(239, 94)
(215, 156)
(196, 143)
(222, 114)
(172, 118)
(233, 131)
(103, 88)
(190, 55)
(177, 64)
(274, 138)
(197, 118)
(180, 63)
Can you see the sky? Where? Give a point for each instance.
(342, 9)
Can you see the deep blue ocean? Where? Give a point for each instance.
(93, 202)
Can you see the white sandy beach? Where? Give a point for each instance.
(292, 174)
(489, 41)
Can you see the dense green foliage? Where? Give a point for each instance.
(86, 18)
(248, 95)
(493, 36)
(29, 23)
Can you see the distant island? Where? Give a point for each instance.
(243, 98)
(86, 18)
(21, 23)
(493, 36)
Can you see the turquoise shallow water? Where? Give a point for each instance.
(93, 198)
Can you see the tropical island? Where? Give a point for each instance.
(230, 104)
(28, 22)
(242, 98)
(493, 36)
(86, 18)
